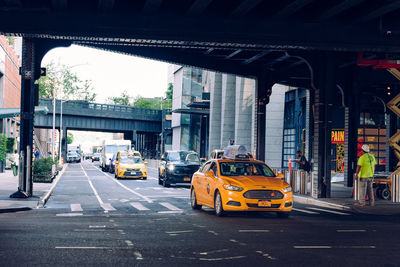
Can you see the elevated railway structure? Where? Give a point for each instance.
(305, 43)
(141, 126)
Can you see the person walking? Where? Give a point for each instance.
(15, 163)
(36, 153)
(365, 176)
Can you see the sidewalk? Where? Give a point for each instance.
(9, 185)
(342, 200)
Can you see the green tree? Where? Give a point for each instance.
(70, 138)
(10, 144)
(124, 99)
(3, 147)
(59, 77)
(151, 103)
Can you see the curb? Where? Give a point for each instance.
(9, 210)
(320, 203)
(46, 197)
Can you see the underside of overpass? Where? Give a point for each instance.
(305, 43)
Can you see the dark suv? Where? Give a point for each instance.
(177, 167)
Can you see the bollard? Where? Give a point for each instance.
(21, 185)
(29, 184)
(303, 184)
(311, 184)
(395, 188)
(356, 190)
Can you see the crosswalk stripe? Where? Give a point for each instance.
(305, 211)
(76, 207)
(107, 206)
(170, 206)
(330, 211)
(138, 206)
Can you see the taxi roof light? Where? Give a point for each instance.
(237, 152)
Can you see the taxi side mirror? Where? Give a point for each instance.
(209, 173)
(280, 175)
(116, 162)
(145, 162)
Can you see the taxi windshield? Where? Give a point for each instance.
(245, 168)
(129, 160)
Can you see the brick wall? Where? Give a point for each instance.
(12, 79)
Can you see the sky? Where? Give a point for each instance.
(112, 73)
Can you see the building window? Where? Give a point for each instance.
(289, 146)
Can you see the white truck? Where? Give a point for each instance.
(109, 148)
(73, 153)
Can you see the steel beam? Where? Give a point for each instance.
(198, 7)
(245, 7)
(256, 57)
(152, 6)
(380, 11)
(292, 8)
(339, 8)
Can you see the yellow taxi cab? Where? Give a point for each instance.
(129, 165)
(237, 182)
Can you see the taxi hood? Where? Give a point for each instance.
(256, 181)
(131, 166)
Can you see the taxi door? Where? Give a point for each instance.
(199, 183)
(117, 160)
(209, 184)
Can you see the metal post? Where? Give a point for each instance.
(61, 134)
(21, 170)
(356, 189)
(54, 124)
(29, 183)
(395, 188)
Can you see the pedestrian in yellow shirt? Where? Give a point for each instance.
(365, 175)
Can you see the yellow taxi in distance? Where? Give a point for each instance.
(237, 182)
(130, 166)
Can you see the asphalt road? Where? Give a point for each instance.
(92, 219)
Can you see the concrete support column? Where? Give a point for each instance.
(324, 71)
(64, 144)
(215, 110)
(351, 125)
(27, 116)
(243, 111)
(228, 109)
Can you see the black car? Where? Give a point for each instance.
(177, 167)
(96, 157)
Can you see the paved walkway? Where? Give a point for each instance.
(9, 185)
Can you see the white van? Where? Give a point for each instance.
(109, 148)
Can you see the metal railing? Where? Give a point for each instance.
(82, 107)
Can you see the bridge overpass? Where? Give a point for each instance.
(311, 44)
(141, 126)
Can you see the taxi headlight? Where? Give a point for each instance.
(122, 169)
(287, 189)
(171, 167)
(232, 187)
(143, 169)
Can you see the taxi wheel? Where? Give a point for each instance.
(282, 214)
(159, 181)
(219, 209)
(193, 200)
(165, 183)
(144, 178)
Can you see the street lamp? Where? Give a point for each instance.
(54, 108)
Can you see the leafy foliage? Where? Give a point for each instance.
(10, 145)
(124, 99)
(70, 138)
(42, 166)
(61, 77)
(3, 147)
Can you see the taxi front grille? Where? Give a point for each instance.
(273, 206)
(263, 194)
(133, 170)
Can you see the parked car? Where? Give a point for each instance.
(96, 157)
(216, 154)
(73, 156)
(112, 163)
(238, 182)
(177, 167)
(88, 155)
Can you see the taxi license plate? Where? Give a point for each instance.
(264, 204)
(186, 179)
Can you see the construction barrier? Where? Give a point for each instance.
(298, 180)
(395, 188)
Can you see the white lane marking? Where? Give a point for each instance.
(235, 241)
(129, 243)
(213, 232)
(312, 247)
(180, 232)
(305, 211)
(89, 230)
(92, 248)
(351, 231)
(69, 214)
(76, 207)
(105, 206)
(170, 206)
(367, 247)
(212, 252)
(138, 255)
(221, 259)
(127, 188)
(138, 206)
(97, 226)
(330, 211)
(253, 231)
(124, 200)
(170, 211)
(265, 255)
